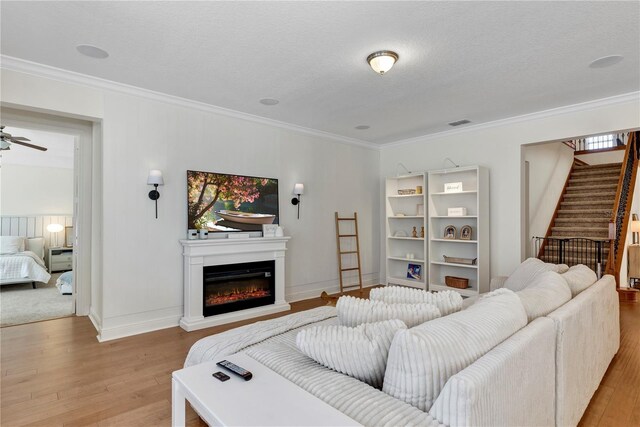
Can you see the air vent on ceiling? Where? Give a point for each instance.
(460, 122)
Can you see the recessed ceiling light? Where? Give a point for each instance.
(269, 101)
(92, 51)
(362, 127)
(606, 61)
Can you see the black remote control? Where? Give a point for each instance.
(236, 369)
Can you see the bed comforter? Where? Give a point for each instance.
(23, 266)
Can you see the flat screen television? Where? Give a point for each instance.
(230, 203)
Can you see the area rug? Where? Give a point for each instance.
(21, 303)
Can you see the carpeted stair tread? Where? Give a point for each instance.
(581, 220)
(595, 173)
(617, 166)
(586, 204)
(613, 187)
(590, 196)
(586, 213)
(593, 180)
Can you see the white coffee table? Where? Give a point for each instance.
(266, 400)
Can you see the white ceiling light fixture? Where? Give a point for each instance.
(606, 61)
(363, 127)
(382, 61)
(92, 51)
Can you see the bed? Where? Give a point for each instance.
(21, 260)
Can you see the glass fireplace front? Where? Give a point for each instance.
(233, 287)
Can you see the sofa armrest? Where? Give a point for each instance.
(587, 338)
(497, 282)
(511, 385)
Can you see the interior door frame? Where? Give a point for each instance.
(83, 133)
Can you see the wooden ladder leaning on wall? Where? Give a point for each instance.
(339, 238)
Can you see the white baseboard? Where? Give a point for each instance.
(96, 321)
(313, 290)
(140, 323)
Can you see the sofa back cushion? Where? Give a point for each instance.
(359, 352)
(447, 301)
(422, 359)
(356, 311)
(579, 277)
(547, 292)
(527, 272)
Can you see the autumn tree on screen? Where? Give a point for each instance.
(205, 189)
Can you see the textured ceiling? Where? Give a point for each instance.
(476, 60)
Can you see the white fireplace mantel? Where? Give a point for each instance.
(198, 254)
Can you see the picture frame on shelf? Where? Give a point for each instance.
(414, 271)
(269, 230)
(450, 232)
(68, 237)
(466, 232)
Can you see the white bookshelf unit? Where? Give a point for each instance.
(402, 215)
(474, 197)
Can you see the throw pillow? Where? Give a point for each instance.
(422, 359)
(447, 301)
(355, 311)
(359, 352)
(35, 245)
(579, 277)
(547, 292)
(527, 271)
(11, 244)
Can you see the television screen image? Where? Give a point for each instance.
(227, 203)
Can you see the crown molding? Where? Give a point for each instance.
(583, 106)
(40, 70)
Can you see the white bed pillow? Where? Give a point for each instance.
(11, 244)
(447, 301)
(422, 359)
(35, 245)
(547, 292)
(528, 270)
(359, 352)
(579, 277)
(356, 311)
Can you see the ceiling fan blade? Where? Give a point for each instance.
(37, 147)
(5, 134)
(19, 138)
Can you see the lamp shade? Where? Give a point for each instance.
(54, 228)
(155, 177)
(635, 226)
(298, 189)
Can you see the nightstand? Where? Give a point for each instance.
(60, 259)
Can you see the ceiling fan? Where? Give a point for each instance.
(6, 140)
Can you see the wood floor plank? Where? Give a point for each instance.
(55, 373)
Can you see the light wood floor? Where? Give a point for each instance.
(55, 373)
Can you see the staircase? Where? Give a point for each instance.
(583, 216)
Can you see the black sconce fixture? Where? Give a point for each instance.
(298, 190)
(155, 179)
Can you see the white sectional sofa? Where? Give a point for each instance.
(544, 374)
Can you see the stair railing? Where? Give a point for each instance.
(621, 211)
(572, 251)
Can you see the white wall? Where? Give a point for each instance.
(497, 146)
(602, 158)
(549, 166)
(35, 190)
(141, 256)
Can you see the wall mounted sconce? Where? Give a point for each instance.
(155, 179)
(635, 229)
(55, 229)
(298, 190)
